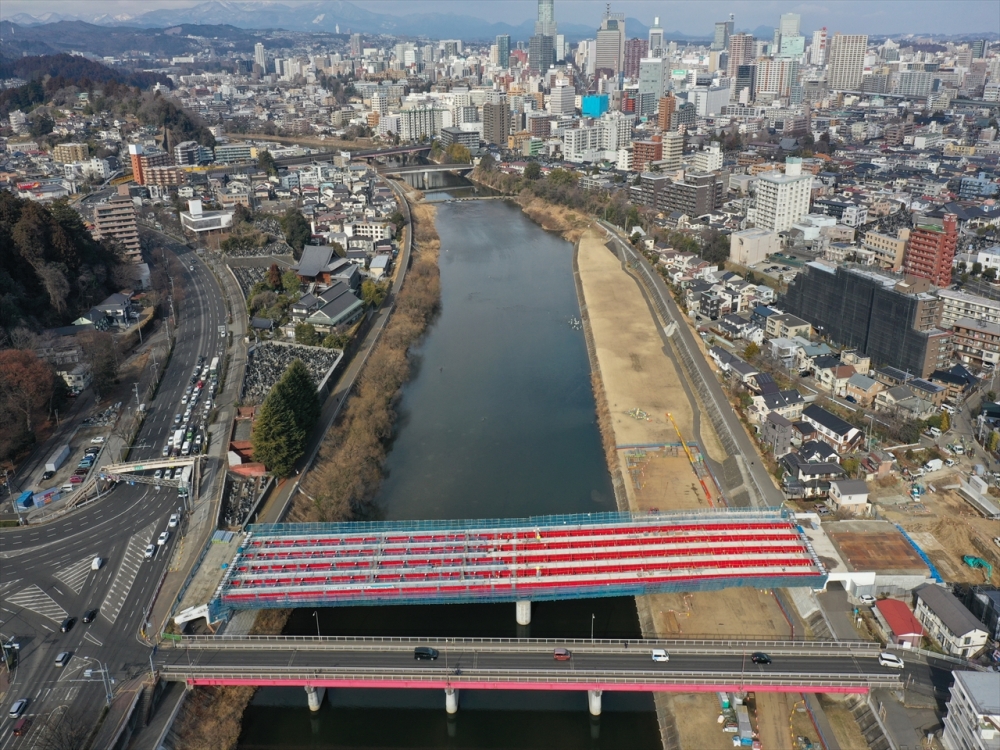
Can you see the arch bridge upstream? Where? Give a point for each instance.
(516, 560)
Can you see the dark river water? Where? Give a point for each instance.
(498, 421)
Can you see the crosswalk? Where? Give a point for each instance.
(36, 600)
(126, 574)
(75, 575)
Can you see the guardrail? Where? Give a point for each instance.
(381, 643)
(649, 679)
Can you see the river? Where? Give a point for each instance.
(498, 421)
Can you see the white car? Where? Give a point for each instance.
(660, 655)
(174, 519)
(867, 599)
(96, 563)
(890, 660)
(162, 538)
(98, 439)
(150, 551)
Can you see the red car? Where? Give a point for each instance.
(562, 654)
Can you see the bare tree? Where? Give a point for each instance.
(68, 731)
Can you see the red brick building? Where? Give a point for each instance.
(644, 152)
(931, 249)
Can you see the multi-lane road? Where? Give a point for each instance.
(45, 570)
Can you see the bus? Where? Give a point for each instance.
(183, 489)
(213, 369)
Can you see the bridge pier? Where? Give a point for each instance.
(523, 612)
(451, 700)
(315, 697)
(594, 702)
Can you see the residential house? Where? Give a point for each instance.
(320, 264)
(841, 435)
(334, 306)
(802, 432)
(789, 404)
(898, 624)
(862, 389)
(850, 495)
(809, 353)
(861, 364)
(785, 351)
(890, 377)
(834, 379)
(876, 464)
(118, 307)
(786, 326)
(817, 452)
(948, 622)
(958, 381)
(776, 433)
(379, 266)
(901, 400)
(804, 479)
(928, 391)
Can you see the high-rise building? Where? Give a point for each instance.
(115, 220)
(652, 77)
(143, 160)
(356, 45)
(790, 24)
(540, 53)
(503, 50)
(562, 100)
(673, 150)
(846, 64)
(745, 81)
(893, 322)
(610, 55)
(260, 56)
(723, 30)
(915, 83)
(979, 48)
(655, 44)
(709, 159)
(65, 153)
(972, 707)
(496, 122)
(546, 22)
(741, 52)
(666, 110)
(635, 50)
(781, 199)
(817, 53)
(932, 249)
(776, 76)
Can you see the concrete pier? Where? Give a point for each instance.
(594, 702)
(315, 697)
(524, 612)
(451, 700)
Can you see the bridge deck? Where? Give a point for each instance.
(541, 558)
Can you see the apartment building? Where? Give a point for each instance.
(889, 251)
(846, 66)
(932, 249)
(948, 622)
(973, 719)
(781, 199)
(115, 221)
(976, 342)
(956, 304)
(65, 153)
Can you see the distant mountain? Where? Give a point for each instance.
(327, 17)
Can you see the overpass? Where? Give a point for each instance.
(393, 151)
(316, 663)
(422, 168)
(516, 560)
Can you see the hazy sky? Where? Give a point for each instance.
(688, 16)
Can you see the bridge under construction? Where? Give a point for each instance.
(519, 560)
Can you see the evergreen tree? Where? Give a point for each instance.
(278, 441)
(297, 389)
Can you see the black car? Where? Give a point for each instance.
(425, 653)
(89, 615)
(67, 624)
(48, 475)
(760, 658)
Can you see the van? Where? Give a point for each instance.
(186, 448)
(21, 726)
(68, 487)
(425, 653)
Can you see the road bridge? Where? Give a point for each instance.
(422, 168)
(316, 663)
(516, 560)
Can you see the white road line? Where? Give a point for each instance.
(75, 575)
(89, 637)
(36, 600)
(127, 571)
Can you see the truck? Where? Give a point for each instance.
(56, 459)
(213, 369)
(933, 465)
(183, 489)
(178, 439)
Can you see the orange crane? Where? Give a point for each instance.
(694, 464)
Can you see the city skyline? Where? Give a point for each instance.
(894, 17)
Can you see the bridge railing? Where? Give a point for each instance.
(381, 643)
(579, 678)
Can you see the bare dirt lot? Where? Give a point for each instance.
(646, 476)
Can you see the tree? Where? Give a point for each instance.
(990, 274)
(945, 422)
(102, 357)
(457, 154)
(850, 466)
(297, 388)
(290, 282)
(372, 293)
(532, 170)
(297, 230)
(242, 214)
(274, 276)
(305, 333)
(277, 440)
(994, 439)
(751, 351)
(336, 341)
(487, 163)
(991, 395)
(977, 268)
(266, 162)
(26, 384)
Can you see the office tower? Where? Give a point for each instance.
(652, 77)
(846, 65)
(979, 48)
(560, 47)
(635, 50)
(741, 52)
(655, 42)
(115, 220)
(817, 53)
(666, 111)
(790, 24)
(546, 23)
(503, 50)
(723, 30)
(745, 81)
(610, 55)
(260, 56)
(540, 53)
(932, 249)
(356, 45)
(496, 122)
(781, 199)
(562, 100)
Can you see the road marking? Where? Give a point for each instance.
(127, 571)
(75, 575)
(89, 637)
(8, 584)
(36, 600)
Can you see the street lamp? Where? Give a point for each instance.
(592, 618)
(316, 615)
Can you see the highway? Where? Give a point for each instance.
(45, 570)
(525, 664)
